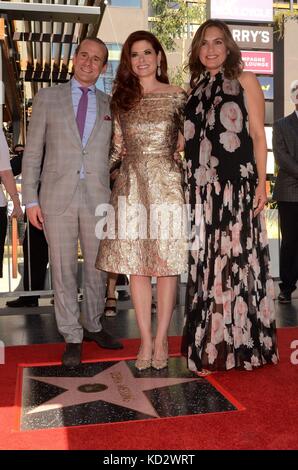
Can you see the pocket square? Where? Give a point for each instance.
(107, 118)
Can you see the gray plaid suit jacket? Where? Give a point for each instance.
(285, 148)
(54, 126)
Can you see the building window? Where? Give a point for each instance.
(105, 81)
(191, 29)
(125, 3)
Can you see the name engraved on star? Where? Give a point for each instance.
(123, 389)
(92, 388)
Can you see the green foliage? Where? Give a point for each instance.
(280, 17)
(177, 76)
(171, 19)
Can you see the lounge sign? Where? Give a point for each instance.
(258, 61)
(252, 37)
(242, 10)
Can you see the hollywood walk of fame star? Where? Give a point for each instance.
(115, 384)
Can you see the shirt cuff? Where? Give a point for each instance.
(31, 204)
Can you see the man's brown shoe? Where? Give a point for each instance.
(72, 355)
(103, 339)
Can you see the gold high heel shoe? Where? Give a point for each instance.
(161, 363)
(142, 364)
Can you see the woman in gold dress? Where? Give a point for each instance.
(146, 226)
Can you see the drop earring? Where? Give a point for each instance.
(158, 71)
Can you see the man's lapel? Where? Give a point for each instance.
(66, 108)
(101, 107)
(293, 120)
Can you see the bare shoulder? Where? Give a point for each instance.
(248, 80)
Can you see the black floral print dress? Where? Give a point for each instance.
(230, 316)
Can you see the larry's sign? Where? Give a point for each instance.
(252, 37)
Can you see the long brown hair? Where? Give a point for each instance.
(233, 64)
(127, 90)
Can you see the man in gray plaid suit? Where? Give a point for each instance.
(285, 148)
(72, 121)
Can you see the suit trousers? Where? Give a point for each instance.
(63, 232)
(288, 214)
(3, 230)
(37, 259)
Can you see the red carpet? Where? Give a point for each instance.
(269, 420)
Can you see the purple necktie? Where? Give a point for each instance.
(82, 110)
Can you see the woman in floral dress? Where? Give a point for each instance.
(230, 318)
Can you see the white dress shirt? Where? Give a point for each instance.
(4, 164)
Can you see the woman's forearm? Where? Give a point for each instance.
(260, 152)
(10, 185)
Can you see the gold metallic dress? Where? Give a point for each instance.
(146, 231)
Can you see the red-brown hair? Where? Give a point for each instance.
(127, 90)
